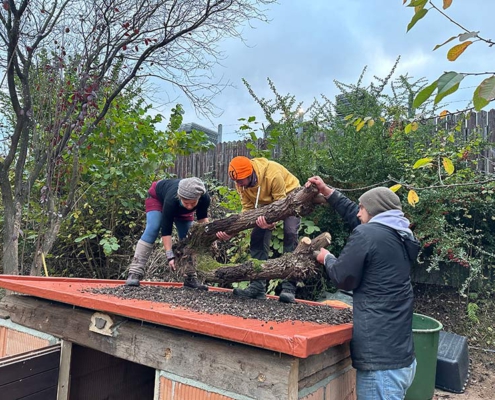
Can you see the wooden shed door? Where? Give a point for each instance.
(30, 376)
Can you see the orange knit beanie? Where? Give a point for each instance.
(240, 167)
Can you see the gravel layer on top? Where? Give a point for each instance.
(213, 302)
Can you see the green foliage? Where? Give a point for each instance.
(117, 166)
(452, 218)
(448, 82)
(258, 147)
(308, 228)
(272, 285)
(472, 311)
(229, 199)
(374, 138)
(288, 136)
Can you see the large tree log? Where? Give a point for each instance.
(297, 266)
(299, 202)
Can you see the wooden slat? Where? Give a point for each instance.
(319, 362)
(30, 385)
(64, 372)
(22, 366)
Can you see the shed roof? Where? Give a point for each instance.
(297, 338)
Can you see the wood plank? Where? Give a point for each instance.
(324, 374)
(313, 364)
(3, 340)
(64, 371)
(30, 385)
(234, 367)
(22, 366)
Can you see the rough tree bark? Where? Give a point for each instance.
(296, 266)
(299, 202)
(193, 253)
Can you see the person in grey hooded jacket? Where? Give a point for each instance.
(375, 264)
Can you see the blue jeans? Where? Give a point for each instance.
(153, 223)
(390, 384)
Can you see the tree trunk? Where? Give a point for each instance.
(56, 214)
(299, 202)
(296, 266)
(11, 231)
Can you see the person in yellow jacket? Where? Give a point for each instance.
(259, 182)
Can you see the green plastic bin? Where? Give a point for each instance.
(426, 332)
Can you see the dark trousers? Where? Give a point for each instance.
(260, 238)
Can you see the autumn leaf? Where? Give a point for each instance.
(447, 4)
(443, 114)
(457, 50)
(414, 126)
(422, 162)
(371, 122)
(408, 128)
(412, 198)
(360, 125)
(448, 165)
(395, 187)
(348, 117)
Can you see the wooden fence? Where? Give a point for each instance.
(214, 163)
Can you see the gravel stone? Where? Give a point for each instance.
(214, 302)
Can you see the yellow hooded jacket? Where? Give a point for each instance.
(275, 182)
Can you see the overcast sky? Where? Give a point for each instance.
(309, 44)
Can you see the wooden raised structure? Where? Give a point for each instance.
(147, 350)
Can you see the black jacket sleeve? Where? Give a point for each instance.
(203, 204)
(167, 223)
(347, 270)
(346, 208)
